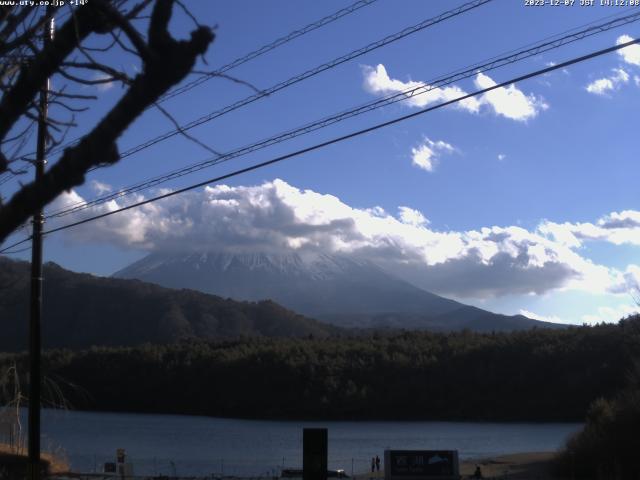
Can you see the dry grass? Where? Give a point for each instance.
(55, 461)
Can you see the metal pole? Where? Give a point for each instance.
(35, 372)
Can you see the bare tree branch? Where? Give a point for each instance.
(122, 45)
(12, 22)
(134, 36)
(188, 13)
(230, 78)
(45, 63)
(135, 11)
(115, 74)
(68, 107)
(95, 81)
(72, 96)
(166, 61)
(183, 132)
(28, 33)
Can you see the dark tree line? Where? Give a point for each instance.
(607, 447)
(537, 375)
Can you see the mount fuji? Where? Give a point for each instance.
(338, 289)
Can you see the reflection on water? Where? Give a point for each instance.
(158, 444)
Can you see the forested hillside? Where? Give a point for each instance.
(534, 375)
(82, 310)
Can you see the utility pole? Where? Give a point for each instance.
(35, 343)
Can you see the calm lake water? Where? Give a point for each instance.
(158, 444)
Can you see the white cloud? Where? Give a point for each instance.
(100, 187)
(510, 102)
(624, 219)
(617, 228)
(620, 75)
(426, 155)
(610, 314)
(377, 81)
(506, 101)
(630, 54)
(628, 282)
(103, 87)
(636, 80)
(542, 318)
(553, 64)
(603, 86)
(276, 216)
(501, 156)
(411, 216)
(600, 86)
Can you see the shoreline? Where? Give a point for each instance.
(292, 419)
(527, 465)
(515, 465)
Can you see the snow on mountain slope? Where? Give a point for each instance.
(313, 284)
(339, 289)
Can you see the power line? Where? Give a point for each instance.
(308, 74)
(341, 138)
(251, 55)
(298, 78)
(267, 48)
(20, 250)
(5, 177)
(491, 64)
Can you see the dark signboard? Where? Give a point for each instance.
(314, 454)
(405, 464)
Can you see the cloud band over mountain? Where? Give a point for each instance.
(276, 217)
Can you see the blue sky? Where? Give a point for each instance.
(524, 200)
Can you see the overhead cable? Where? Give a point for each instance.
(250, 56)
(342, 138)
(421, 89)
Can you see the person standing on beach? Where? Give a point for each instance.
(377, 463)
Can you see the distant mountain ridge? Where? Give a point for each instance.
(318, 284)
(345, 291)
(81, 310)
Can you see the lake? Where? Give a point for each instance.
(190, 445)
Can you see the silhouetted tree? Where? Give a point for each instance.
(74, 57)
